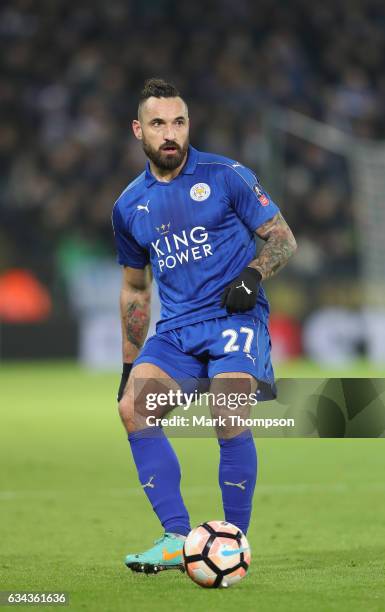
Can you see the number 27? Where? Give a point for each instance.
(230, 346)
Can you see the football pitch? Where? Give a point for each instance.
(71, 507)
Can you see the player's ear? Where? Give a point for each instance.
(137, 129)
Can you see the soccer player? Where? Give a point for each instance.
(192, 219)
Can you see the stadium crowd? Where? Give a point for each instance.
(70, 77)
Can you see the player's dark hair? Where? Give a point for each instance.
(157, 88)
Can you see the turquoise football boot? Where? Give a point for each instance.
(167, 553)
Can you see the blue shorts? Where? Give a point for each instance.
(236, 343)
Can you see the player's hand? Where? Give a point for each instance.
(127, 367)
(241, 295)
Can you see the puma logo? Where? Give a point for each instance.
(149, 483)
(250, 357)
(143, 206)
(248, 291)
(240, 485)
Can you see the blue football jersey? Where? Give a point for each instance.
(196, 231)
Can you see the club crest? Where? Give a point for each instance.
(200, 192)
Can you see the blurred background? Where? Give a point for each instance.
(294, 90)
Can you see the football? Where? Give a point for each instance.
(216, 554)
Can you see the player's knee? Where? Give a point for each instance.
(132, 413)
(126, 412)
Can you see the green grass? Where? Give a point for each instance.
(71, 508)
(304, 368)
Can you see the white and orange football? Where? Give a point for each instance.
(216, 554)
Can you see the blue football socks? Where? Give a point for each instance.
(159, 473)
(237, 477)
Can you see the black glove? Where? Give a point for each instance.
(241, 295)
(123, 381)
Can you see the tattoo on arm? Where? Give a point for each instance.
(279, 246)
(136, 323)
(135, 315)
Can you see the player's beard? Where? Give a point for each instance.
(160, 158)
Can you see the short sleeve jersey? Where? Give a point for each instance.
(197, 232)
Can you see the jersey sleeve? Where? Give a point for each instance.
(129, 252)
(250, 201)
